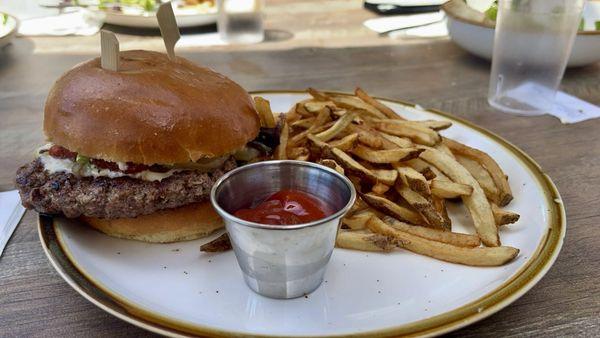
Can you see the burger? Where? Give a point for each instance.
(135, 153)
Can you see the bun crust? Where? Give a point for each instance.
(152, 111)
(172, 225)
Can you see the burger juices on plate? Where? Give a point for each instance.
(134, 153)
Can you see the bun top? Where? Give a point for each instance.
(153, 110)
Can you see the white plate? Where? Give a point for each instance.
(468, 31)
(8, 30)
(173, 288)
(142, 19)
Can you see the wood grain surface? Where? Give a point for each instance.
(34, 301)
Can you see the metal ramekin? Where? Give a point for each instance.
(282, 261)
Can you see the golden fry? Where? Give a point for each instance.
(413, 179)
(385, 156)
(498, 176)
(453, 238)
(481, 176)
(387, 111)
(421, 135)
(336, 128)
(346, 143)
(481, 256)
(477, 203)
(380, 188)
(449, 189)
(281, 150)
(390, 208)
(264, 110)
(504, 217)
(423, 206)
(364, 241)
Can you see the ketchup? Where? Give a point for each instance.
(287, 207)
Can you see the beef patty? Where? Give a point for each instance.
(105, 197)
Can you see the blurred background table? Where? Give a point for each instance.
(323, 46)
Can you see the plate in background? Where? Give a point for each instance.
(472, 31)
(173, 289)
(8, 29)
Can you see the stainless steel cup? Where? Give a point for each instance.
(282, 261)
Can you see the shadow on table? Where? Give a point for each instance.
(11, 53)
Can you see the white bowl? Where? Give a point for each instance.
(8, 30)
(473, 32)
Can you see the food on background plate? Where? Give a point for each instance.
(404, 172)
(135, 153)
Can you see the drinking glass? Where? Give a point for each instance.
(532, 44)
(241, 21)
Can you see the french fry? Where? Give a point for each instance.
(281, 150)
(320, 96)
(346, 143)
(385, 156)
(354, 103)
(449, 189)
(303, 157)
(423, 206)
(299, 138)
(296, 152)
(498, 176)
(390, 208)
(431, 124)
(418, 134)
(440, 205)
(385, 176)
(387, 111)
(219, 244)
(428, 173)
(444, 149)
(357, 221)
(316, 106)
(303, 123)
(364, 241)
(264, 110)
(476, 203)
(453, 238)
(336, 128)
(367, 136)
(481, 175)
(401, 142)
(504, 217)
(301, 110)
(348, 163)
(482, 256)
(413, 179)
(380, 188)
(333, 165)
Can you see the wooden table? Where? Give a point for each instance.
(35, 301)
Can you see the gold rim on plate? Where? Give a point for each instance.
(521, 282)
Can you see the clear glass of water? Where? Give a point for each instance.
(532, 44)
(241, 21)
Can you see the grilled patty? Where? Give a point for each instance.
(105, 197)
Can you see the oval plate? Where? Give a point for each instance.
(173, 289)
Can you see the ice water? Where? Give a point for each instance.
(531, 51)
(241, 21)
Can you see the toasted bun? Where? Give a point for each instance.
(153, 110)
(173, 225)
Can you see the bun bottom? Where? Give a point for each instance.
(172, 225)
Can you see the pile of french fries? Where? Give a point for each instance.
(404, 173)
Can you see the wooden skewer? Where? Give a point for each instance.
(168, 28)
(109, 47)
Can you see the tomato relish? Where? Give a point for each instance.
(287, 207)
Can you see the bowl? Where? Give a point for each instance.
(282, 261)
(474, 32)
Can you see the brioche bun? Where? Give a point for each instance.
(153, 110)
(172, 225)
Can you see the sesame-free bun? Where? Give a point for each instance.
(172, 225)
(153, 110)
